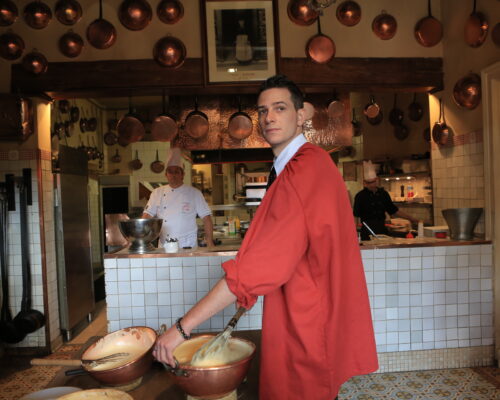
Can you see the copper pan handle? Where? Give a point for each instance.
(61, 363)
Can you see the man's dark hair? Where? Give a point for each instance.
(281, 81)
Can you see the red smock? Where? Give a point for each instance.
(301, 252)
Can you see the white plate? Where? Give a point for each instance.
(51, 393)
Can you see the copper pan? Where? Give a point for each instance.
(8, 12)
(384, 26)
(301, 13)
(476, 28)
(68, 12)
(157, 166)
(320, 48)
(335, 107)
(372, 109)
(110, 138)
(240, 124)
(11, 46)
(467, 91)
(349, 13)
(495, 34)
(35, 62)
(100, 33)
(396, 114)
(415, 109)
(377, 119)
(164, 127)
(136, 163)
(440, 131)
(135, 14)
(169, 52)
(71, 44)
(37, 14)
(170, 11)
(130, 127)
(401, 131)
(356, 125)
(196, 123)
(428, 30)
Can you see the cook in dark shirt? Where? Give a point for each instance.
(370, 206)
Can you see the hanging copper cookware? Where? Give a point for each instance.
(35, 62)
(136, 163)
(110, 138)
(68, 12)
(356, 125)
(372, 109)
(440, 131)
(349, 13)
(37, 14)
(377, 119)
(101, 34)
(130, 127)
(335, 107)
(157, 166)
(170, 11)
(11, 46)
(63, 106)
(116, 158)
(428, 30)
(74, 114)
(384, 26)
(320, 48)
(135, 14)
(169, 52)
(301, 12)
(71, 44)
(83, 123)
(196, 123)
(476, 28)
(415, 109)
(467, 91)
(240, 124)
(396, 114)
(164, 127)
(8, 12)
(401, 131)
(495, 34)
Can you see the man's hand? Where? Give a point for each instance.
(165, 345)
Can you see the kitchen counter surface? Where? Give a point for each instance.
(157, 383)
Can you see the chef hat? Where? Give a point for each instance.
(369, 171)
(175, 159)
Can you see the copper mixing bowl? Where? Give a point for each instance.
(212, 382)
(301, 13)
(71, 44)
(170, 11)
(37, 14)
(8, 13)
(169, 52)
(11, 46)
(35, 62)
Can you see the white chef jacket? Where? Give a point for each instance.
(178, 208)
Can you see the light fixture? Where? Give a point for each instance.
(319, 5)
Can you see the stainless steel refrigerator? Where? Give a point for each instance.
(72, 223)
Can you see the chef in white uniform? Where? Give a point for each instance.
(178, 205)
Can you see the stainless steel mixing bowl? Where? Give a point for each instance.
(140, 233)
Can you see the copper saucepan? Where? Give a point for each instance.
(372, 109)
(68, 12)
(301, 13)
(320, 48)
(169, 52)
(349, 13)
(35, 62)
(135, 14)
(170, 11)
(37, 14)
(428, 30)
(137, 341)
(136, 163)
(101, 33)
(240, 124)
(384, 26)
(130, 127)
(11, 46)
(476, 28)
(164, 127)
(8, 12)
(415, 109)
(157, 166)
(467, 91)
(440, 131)
(71, 44)
(396, 114)
(196, 123)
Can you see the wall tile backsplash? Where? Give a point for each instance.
(424, 298)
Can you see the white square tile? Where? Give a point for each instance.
(151, 299)
(136, 274)
(380, 339)
(428, 324)
(451, 322)
(486, 296)
(164, 312)
(138, 300)
(404, 252)
(122, 263)
(162, 273)
(379, 264)
(149, 274)
(125, 300)
(176, 285)
(392, 338)
(151, 262)
(451, 273)
(163, 299)
(151, 312)
(176, 273)
(137, 287)
(201, 271)
(156, 286)
(486, 284)
(123, 275)
(136, 263)
(111, 275)
(403, 263)
(403, 300)
(379, 253)
(391, 313)
(124, 287)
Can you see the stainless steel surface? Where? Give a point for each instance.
(141, 232)
(74, 258)
(462, 222)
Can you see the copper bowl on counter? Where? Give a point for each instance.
(211, 382)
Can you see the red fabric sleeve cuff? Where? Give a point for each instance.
(245, 299)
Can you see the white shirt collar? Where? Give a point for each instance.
(288, 152)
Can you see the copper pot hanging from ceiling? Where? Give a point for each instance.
(37, 14)
(467, 91)
(428, 30)
(349, 13)
(384, 26)
(301, 13)
(8, 12)
(476, 28)
(169, 52)
(68, 12)
(71, 44)
(35, 62)
(11, 46)
(135, 14)
(101, 33)
(170, 11)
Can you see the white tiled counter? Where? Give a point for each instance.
(432, 306)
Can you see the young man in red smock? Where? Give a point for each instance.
(301, 252)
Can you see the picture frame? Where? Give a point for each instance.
(241, 41)
(349, 169)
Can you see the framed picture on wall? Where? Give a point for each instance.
(240, 40)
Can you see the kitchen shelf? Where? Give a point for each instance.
(404, 175)
(412, 203)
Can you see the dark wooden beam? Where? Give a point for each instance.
(145, 77)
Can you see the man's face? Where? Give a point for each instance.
(175, 176)
(371, 184)
(279, 120)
